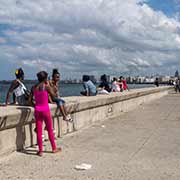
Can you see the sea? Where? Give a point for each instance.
(64, 89)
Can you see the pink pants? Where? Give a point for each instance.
(46, 116)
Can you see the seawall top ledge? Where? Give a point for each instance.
(13, 115)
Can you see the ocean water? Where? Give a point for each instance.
(65, 89)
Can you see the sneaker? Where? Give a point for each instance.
(68, 118)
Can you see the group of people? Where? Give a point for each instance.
(47, 91)
(42, 93)
(118, 85)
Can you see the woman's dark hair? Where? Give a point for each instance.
(54, 72)
(42, 75)
(114, 79)
(103, 77)
(85, 78)
(19, 73)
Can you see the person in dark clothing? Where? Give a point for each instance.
(156, 82)
(104, 83)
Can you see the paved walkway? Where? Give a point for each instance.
(143, 144)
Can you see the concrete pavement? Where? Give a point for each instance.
(143, 144)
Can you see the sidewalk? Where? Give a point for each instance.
(143, 144)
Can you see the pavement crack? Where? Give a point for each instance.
(140, 148)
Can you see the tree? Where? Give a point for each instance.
(176, 73)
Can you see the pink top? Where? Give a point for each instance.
(41, 100)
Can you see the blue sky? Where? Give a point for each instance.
(117, 37)
(169, 7)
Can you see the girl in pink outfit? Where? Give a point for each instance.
(42, 111)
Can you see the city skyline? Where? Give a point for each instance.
(133, 37)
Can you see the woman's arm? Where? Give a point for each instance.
(30, 98)
(13, 86)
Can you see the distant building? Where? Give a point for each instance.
(164, 79)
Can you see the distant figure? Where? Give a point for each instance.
(104, 85)
(54, 84)
(42, 112)
(115, 85)
(18, 89)
(90, 88)
(156, 82)
(120, 81)
(177, 85)
(124, 83)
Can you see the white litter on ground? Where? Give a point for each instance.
(83, 166)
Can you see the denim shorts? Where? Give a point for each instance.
(59, 101)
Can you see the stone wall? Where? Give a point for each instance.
(17, 122)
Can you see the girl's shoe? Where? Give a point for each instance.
(40, 153)
(59, 149)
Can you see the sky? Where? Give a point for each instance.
(115, 37)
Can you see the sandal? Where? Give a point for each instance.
(59, 149)
(40, 153)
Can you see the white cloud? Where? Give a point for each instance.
(92, 36)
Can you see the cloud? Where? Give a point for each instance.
(92, 36)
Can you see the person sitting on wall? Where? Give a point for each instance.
(115, 85)
(90, 88)
(104, 85)
(124, 83)
(54, 84)
(18, 90)
(121, 85)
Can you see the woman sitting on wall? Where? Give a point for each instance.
(104, 85)
(18, 89)
(89, 87)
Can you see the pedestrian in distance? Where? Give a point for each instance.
(156, 82)
(177, 85)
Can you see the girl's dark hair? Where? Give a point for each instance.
(103, 77)
(85, 78)
(42, 75)
(54, 72)
(19, 73)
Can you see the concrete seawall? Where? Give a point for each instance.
(17, 122)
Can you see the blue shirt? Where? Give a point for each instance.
(90, 87)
